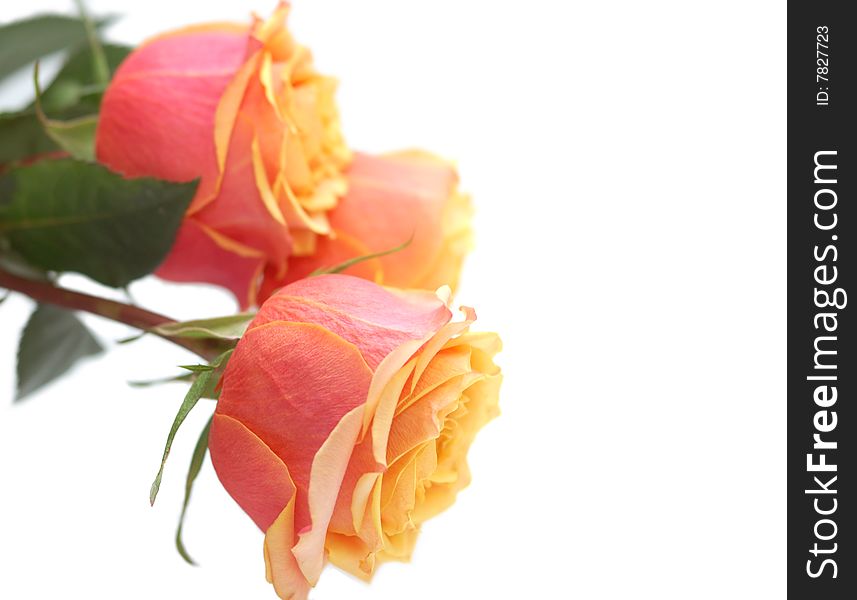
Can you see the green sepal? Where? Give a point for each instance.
(196, 391)
(75, 136)
(74, 93)
(75, 90)
(185, 377)
(195, 467)
(359, 259)
(197, 368)
(99, 61)
(231, 327)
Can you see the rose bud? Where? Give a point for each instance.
(344, 422)
(393, 199)
(244, 110)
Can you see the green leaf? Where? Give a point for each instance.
(67, 215)
(22, 136)
(14, 264)
(222, 328)
(75, 136)
(25, 41)
(53, 340)
(197, 388)
(359, 259)
(195, 467)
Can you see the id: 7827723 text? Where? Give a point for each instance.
(822, 59)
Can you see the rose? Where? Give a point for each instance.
(242, 109)
(409, 195)
(392, 199)
(344, 420)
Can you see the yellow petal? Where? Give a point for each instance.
(328, 469)
(281, 568)
(265, 191)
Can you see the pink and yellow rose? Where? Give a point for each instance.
(392, 199)
(244, 110)
(344, 421)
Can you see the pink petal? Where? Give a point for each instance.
(372, 318)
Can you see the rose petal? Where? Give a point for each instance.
(328, 469)
(479, 405)
(199, 254)
(252, 474)
(372, 318)
(141, 130)
(409, 196)
(281, 568)
(275, 379)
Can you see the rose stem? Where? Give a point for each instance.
(109, 309)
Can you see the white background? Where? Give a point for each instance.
(628, 164)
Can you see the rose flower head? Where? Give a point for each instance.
(243, 110)
(344, 422)
(392, 199)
